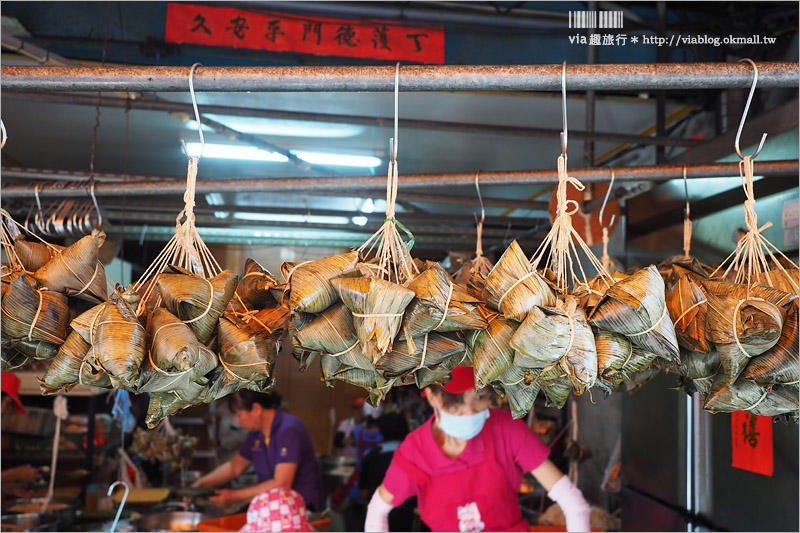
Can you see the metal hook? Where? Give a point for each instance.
(96, 207)
(686, 192)
(122, 503)
(396, 106)
(564, 108)
(744, 115)
(480, 199)
(605, 201)
(196, 112)
(4, 135)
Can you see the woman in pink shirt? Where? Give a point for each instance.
(465, 465)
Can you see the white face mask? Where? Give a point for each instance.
(461, 426)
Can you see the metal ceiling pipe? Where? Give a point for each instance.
(770, 169)
(629, 77)
(463, 127)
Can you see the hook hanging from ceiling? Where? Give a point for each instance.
(564, 108)
(744, 115)
(605, 201)
(4, 135)
(196, 112)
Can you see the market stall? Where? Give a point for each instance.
(618, 321)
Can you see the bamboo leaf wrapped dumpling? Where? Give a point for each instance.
(76, 270)
(333, 333)
(780, 364)
(247, 352)
(513, 287)
(377, 307)
(64, 371)
(426, 351)
(30, 312)
(164, 404)
(175, 357)
(490, 349)
(34, 255)
(687, 305)
(199, 302)
(308, 287)
(636, 307)
(255, 290)
(747, 396)
(743, 321)
(440, 305)
(520, 387)
(618, 359)
(119, 341)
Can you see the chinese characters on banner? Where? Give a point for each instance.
(278, 32)
(751, 437)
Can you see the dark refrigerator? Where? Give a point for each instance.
(676, 479)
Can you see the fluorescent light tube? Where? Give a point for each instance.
(323, 158)
(234, 151)
(271, 217)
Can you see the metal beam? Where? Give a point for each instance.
(407, 181)
(464, 218)
(708, 206)
(630, 77)
(462, 127)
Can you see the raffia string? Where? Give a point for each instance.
(689, 309)
(377, 315)
(605, 259)
(763, 397)
(185, 249)
(424, 351)
(651, 328)
(96, 270)
(344, 352)
(394, 257)
(210, 302)
(446, 308)
(687, 236)
(749, 259)
(36, 316)
(562, 238)
(520, 280)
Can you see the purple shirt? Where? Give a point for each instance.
(518, 451)
(289, 443)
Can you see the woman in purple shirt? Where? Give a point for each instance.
(279, 447)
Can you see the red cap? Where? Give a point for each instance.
(10, 385)
(358, 402)
(463, 380)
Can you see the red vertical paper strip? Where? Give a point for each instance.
(751, 437)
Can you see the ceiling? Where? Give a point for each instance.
(72, 133)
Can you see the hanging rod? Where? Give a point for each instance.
(634, 76)
(768, 169)
(436, 125)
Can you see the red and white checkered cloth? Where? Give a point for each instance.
(278, 509)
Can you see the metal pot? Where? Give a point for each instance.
(64, 516)
(170, 521)
(28, 522)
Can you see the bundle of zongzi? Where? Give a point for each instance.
(254, 290)
(745, 395)
(332, 332)
(64, 371)
(427, 351)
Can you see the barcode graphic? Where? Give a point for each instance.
(595, 19)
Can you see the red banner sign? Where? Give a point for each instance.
(280, 32)
(751, 436)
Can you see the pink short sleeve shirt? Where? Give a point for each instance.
(518, 451)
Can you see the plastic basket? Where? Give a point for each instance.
(236, 521)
